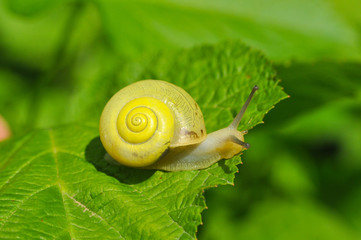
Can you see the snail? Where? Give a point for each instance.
(154, 124)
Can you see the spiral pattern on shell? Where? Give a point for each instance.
(137, 122)
(145, 127)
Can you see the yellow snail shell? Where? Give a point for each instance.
(155, 124)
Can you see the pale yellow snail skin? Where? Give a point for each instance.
(154, 124)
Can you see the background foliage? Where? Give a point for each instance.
(301, 178)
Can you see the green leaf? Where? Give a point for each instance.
(55, 183)
(27, 8)
(275, 218)
(47, 37)
(283, 30)
(219, 77)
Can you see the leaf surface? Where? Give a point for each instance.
(284, 30)
(55, 183)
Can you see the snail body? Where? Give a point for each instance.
(156, 125)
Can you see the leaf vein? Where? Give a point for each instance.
(16, 207)
(92, 213)
(22, 167)
(160, 207)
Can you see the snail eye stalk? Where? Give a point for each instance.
(239, 116)
(243, 144)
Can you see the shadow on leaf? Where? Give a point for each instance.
(95, 152)
(224, 166)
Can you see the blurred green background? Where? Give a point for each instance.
(302, 177)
